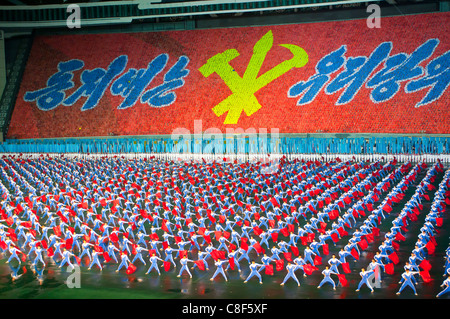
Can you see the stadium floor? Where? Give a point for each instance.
(111, 285)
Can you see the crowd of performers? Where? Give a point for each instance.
(221, 215)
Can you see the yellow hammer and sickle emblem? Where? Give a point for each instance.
(243, 88)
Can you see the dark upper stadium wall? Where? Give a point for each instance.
(304, 15)
(349, 12)
(222, 20)
(16, 54)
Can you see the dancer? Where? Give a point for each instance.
(291, 268)
(408, 280)
(184, 267)
(446, 285)
(124, 261)
(254, 271)
(95, 260)
(154, 264)
(334, 262)
(327, 278)
(365, 275)
(219, 269)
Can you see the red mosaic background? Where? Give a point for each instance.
(199, 95)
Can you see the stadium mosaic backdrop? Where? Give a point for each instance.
(328, 77)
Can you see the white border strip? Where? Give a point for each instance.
(188, 157)
(59, 23)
